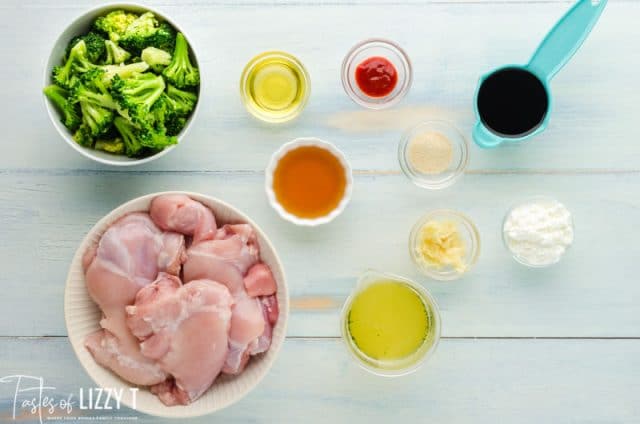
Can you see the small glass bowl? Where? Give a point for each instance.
(400, 367)
(470, 237)
(521, 260)
(459, 159)
(274, 116)
(370, 48)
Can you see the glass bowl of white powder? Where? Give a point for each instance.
(433, 154)
(538, 231)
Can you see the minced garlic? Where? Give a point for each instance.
(440, 245)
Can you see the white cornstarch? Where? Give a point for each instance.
(539, 232)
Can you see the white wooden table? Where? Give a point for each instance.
(547, 346)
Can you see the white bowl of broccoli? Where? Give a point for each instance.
(122, 84)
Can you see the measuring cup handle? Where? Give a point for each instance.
(484, 138)
(566, 37)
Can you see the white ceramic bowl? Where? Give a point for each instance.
(273, 163)
(79, 26)
(82, 317)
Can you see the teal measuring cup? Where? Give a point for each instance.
(513, 103)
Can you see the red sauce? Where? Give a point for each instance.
(376, 76)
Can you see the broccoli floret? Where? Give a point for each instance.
(182, 101)
(91, 88)
(139, 141)
(130, 137)
(123, 71)
(114, 24)
(174, 124)
(180, 72)
(60, 98)
(96, 119)
(95, 46)
(115, 54)
(77, 62)
(156, 58)
(137, 94)
(83, 136)
(115, 146)
(147, 32)
(164, 38)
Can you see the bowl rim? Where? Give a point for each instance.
(55, 118)
(475, 245)
(77, 342)
(460, 142)
(379, 102)
(244, 91)
(292, 145)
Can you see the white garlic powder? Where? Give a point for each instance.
(538, 233)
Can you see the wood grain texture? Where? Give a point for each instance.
(466, 381)
(592, 293)
(585, 369)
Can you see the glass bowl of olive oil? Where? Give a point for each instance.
(390, 324)
(275, 87)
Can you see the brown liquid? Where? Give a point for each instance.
(309, 182)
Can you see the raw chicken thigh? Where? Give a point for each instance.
(175, 337)
(128, 257)
(184, 328)
(180, 213)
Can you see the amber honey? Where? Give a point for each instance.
(309, 182)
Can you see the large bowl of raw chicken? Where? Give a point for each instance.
(180, 296)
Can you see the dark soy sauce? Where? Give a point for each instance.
(512, 102)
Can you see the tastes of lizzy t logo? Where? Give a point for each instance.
(31, 397)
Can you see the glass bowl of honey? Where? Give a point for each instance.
(390, 324)
(275, 87)
(309, 181)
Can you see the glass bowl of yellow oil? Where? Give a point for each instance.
(275, 87)
(390, 324)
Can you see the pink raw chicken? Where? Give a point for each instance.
(185, 329)
(259, 281)
(180, 213)
(128, 257)
(226, 260)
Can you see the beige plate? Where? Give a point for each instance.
(82, 317)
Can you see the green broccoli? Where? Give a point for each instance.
(139, 141)
(77, 62)
(182, 101)
(114, 24)
(180, 72)
(137, 94)
(156, 58)
(115, 146)
(123, 71)
(95, 118)
(174, 123)
(83, 136)
(60, 98)
(147, 32)
(130, 137)
(96, 48)
(91, 89)
(115, 54)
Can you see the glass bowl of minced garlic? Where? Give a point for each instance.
(444, 244)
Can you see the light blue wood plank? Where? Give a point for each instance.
(450, 43)
(593, 292)
(467, 381)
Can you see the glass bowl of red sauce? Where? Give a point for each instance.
(376, 73)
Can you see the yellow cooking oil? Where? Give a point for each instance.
(388, 320)
(275, 86)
